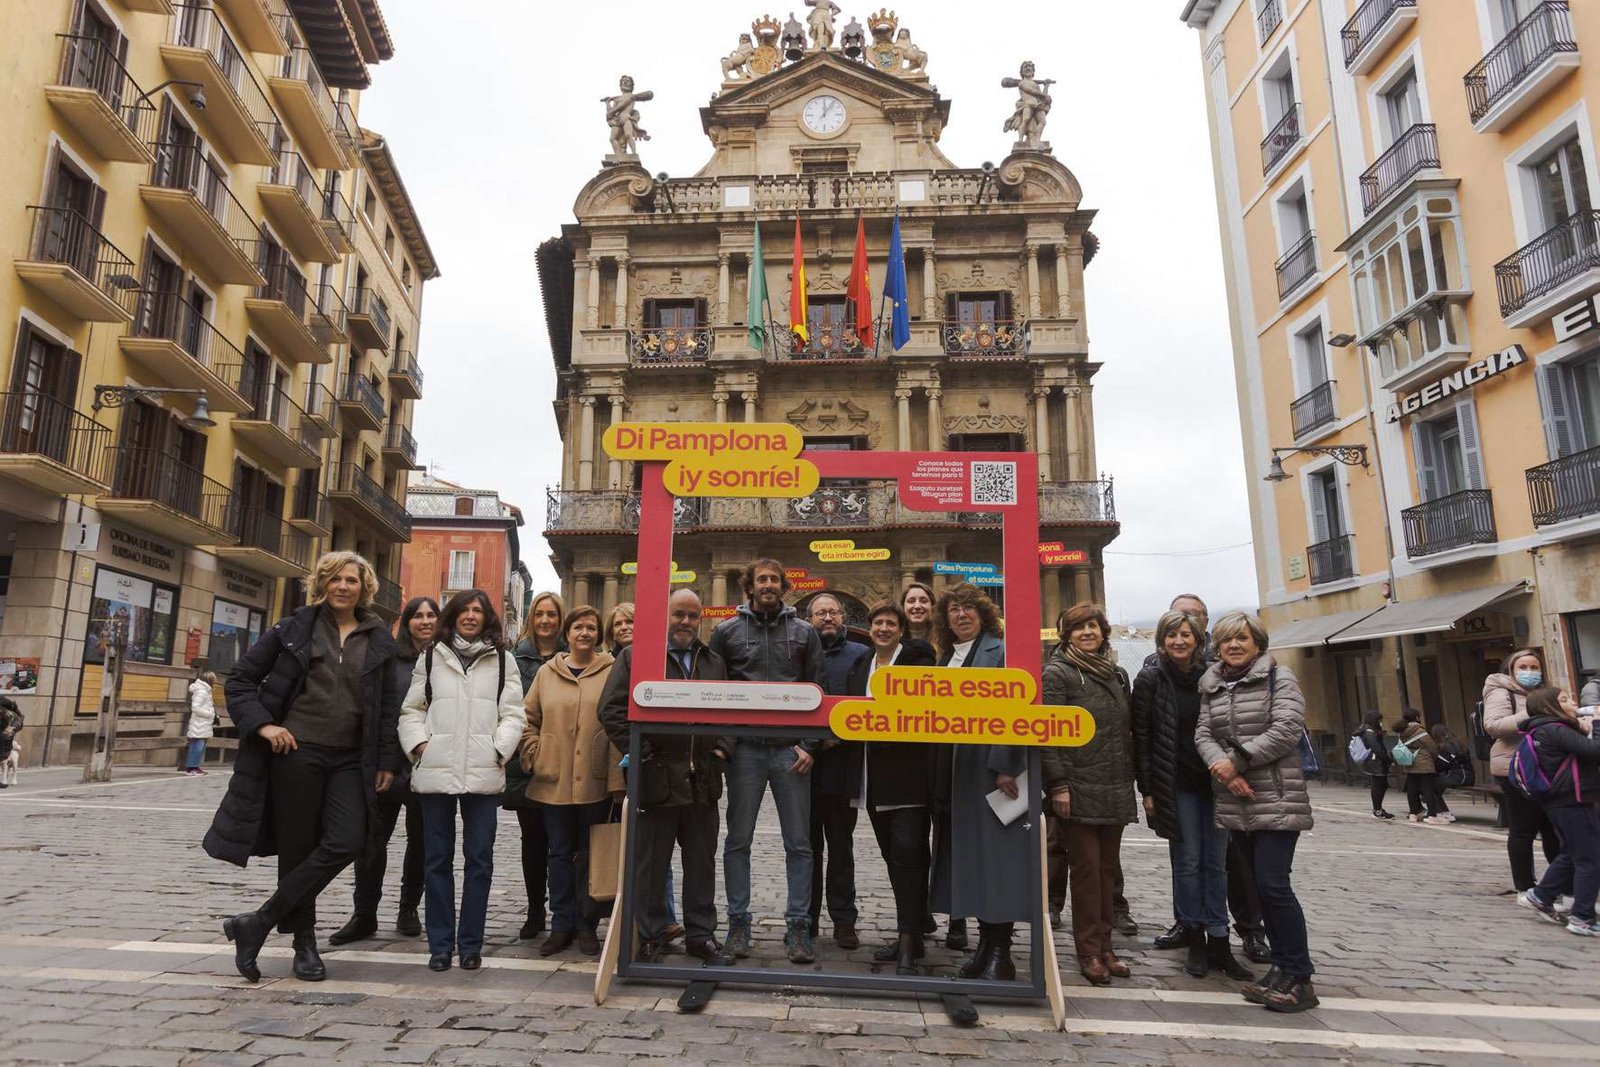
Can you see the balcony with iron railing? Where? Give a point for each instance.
(1313, 410)
(667, 346)
(1565, 489)
(1281, 140)
(259, 24)
(276, 428)
(309, 510)
(51, 447)
(155, 491)
(1456, 521)
(985, 339)
(237, 114)
(352, 488)
(399, 447)
(309, 108)
(1268, 19)
(347, 131)
(294, 201)
(405, 376)
(1297, 266)
(338, 219)
(389, 599)
(1553, 269)
(1375, 25)
(95, 93)
(369, 321)
(1534, 55)
(287, 315)
(1413, 152)
(267, 544)
(322, 409)
(1332, 560)
(172, 340)
(360, 404)
(71, 263)
(190, 195)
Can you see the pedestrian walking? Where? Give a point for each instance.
(1568, 768)
(1252, 716)
(1176, 786)
(202, 721)
(461, 724)
(833, 817)
(539, 641)
(1377, 761)
(316, 703)
(1421, 774)
(413, 634)
(575, 774)
(1505, 710)
(1091, 786)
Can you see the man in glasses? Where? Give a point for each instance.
(833, 817)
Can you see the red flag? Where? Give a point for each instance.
(797, 289)
(860, 287)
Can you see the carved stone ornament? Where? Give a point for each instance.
(881, 53)
(985, 423)
(766, 58)
(833, 417)
(736, 65)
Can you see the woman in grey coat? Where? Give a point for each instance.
(1091, 787)
(1252, 716)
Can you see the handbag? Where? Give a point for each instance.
(1310, 765)
(605, 860)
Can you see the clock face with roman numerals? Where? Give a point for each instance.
(823, 114)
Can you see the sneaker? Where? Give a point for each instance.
(1445, 816)
(1416, 818)
(1547, 912)
(1381, 814)
(738, 943)
(798, 943)
(1583, 927)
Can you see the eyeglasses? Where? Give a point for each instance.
(963, 609)
(827, 613)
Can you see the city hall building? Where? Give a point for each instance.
(1407, 194)
(210, 318)
(647, 300)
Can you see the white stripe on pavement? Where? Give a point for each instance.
(1282, 1035)
(1378, 1007)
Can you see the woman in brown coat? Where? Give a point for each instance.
(1422, 780)
(575, 771)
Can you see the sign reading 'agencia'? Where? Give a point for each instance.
(1465, 378)
(958, 705)
(719, 459)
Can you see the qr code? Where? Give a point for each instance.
(994, 483)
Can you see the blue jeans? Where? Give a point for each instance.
(1576, 872)
(197, 752)
(479, 818)
(756, 766)
(1271, 855)
(567, 828)
(1200, 864)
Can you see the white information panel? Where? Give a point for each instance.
(750, 696)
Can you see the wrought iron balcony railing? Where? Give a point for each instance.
(338, 216)
(1414, 151)
(365, 301)
(156, 475)
(1268, 19)
(170, 317)
(349, 480)
(199, 26)
(1364, 25)
(399, 439)
(389, 599)
(1454, 521)
(185, 167)
(1566, 488)
(1331, 560)
(256, 527)
(37, 425)
(271, 404)
(356, 389)
(292, 170)
(1546, 31)
(1281, 139)
(660, 346)
(1550, 260)
(838, 340)
(300, 65)
(1313, 410)
(405, 365)
(994, 339)
(91, 63)
(62, 235)
(1297, 265)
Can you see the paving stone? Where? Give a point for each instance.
(203, 1040)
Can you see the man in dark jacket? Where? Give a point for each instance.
(679, 784)
(833, 817)
(767, 642)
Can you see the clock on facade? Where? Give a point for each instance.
(823, 114)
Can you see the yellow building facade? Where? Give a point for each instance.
(1407, 193)
(210, 316)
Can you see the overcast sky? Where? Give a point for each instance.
(493, 111)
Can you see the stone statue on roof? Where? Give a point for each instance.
(1033, 105)
(914, 59)
(623, 118)
(821, 22)
(737, 63)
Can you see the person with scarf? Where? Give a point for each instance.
(1091, 786)
(539, 641)
(461, 723)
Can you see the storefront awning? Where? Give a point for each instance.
(1429, 614)
(1308, 633)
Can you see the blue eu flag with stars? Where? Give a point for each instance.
(894, 290)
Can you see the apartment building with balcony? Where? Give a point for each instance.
(464, 539)
(1410, 258)
(646, 296)
(176, 438)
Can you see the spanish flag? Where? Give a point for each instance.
(797, 289)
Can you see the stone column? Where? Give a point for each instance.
(586, 442)
(930, 286)
(591, 314)
(907, 576)
(1075, 275)
(1031, 253)
(614, 468)
(719, 588)
(608, 601)
(1074, 442)
(1097, 582)
(1082, 585)
(1041, 429)
(619, 318)
(935, 421)
(720, 399)
(749, 399)
(1063, 294)
(1052, 599)
(724, 289)
(903, 426)
(1086, 427)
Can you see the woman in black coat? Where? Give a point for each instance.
(894, 782)
(538, 643)
(316, 703)
(1376, 765)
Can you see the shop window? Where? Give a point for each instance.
(144, 611)
(234, 628)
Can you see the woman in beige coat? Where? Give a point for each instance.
(1505, 709)
(576, 773)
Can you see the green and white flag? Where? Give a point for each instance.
(755, 315)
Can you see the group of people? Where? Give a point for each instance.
(344, 726)
(1431, 756)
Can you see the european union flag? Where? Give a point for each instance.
(894, 290)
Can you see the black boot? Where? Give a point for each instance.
(1000, 967)
(1256, 949)
(891, 952)
(909, 952)
(1219, 955)
(1177, 936)
(1199, 960)
(406, 922)
(955, 935)
(359, 928)
(248, 932)
(308, 966)
(980, 959)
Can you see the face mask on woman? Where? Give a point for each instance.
(1529, 679)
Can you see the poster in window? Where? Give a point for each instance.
(19, 676)
(159, 649)
(144, 610)
(234, 628)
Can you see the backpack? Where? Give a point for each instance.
(1403, 753)
(1359, 752)
(1527, 773)
(1482, 743)
(427, 675)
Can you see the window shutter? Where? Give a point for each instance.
(702, 313)
(1554, 393)
(1427, 459)
(652, 317)
(1002, 306)
(1319, 509)
(1471, 448)
(952, 306)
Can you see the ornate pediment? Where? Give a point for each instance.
(830, 416)
(819, 69)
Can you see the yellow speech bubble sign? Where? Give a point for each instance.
(718, 458)
(954, 705)
(742, 476)
(853, 555)
(632, 567)
(681, 577)
(836, 545)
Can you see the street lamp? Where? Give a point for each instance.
(1349, 455)
(115, 396)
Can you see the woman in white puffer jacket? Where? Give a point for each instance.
(461, 721)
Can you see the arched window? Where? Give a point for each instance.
(463, 505)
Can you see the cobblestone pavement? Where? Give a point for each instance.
(111, 953)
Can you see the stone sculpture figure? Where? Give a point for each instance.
(737, 63)
(913, 58)
(623, 118)
(1033, 106)
(821, 21)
